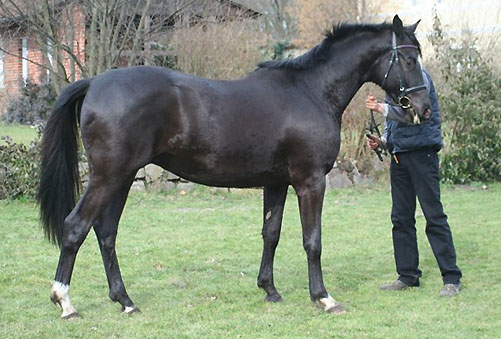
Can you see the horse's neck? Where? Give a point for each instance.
(351, 64)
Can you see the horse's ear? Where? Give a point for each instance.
(412, 28)
(398, 26)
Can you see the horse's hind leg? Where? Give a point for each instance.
(274, 200)
(76, 227)
(106, 227)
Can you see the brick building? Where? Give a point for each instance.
(22, 57)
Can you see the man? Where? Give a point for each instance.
(414, 171)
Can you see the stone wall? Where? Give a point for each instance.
(346, 173)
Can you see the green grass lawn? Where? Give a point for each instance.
(19, 133)
(190, 263)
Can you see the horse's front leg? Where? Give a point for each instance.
(310, 192)
(274, 200)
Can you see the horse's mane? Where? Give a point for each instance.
(320, 52)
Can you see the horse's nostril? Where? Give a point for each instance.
(427, 113)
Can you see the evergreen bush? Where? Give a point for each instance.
(33, 104)
(19, 169)
(470, 103)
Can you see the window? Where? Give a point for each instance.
(24, 53)
(50, 57)
(2, 65)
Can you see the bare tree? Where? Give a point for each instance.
(116, 32)
(315, 16)
(225, 50)
(277, 17)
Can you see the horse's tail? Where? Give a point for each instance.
(59, 176)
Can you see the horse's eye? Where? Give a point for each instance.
(411, 62)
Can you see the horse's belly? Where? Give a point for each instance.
(225, 171)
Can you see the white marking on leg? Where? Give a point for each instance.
(61, 295)
(330, 305)
(268, 215)
(128, 309)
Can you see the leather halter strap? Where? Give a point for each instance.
(395, 59)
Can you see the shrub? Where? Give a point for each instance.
(33, 103)
(224, 50)
(470, 108)
(19, 168)
(356, 119)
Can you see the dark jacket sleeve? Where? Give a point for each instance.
(395, 112)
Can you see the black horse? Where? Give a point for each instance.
(278, 126)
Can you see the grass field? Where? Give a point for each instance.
(190, 264)
(19, 133)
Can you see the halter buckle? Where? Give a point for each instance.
(405, 102)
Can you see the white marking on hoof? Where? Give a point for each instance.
(128, 309)
(268, 215)
(330, 305)
(61, 295)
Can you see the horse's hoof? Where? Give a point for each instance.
(71, 313)
(130, 310)
(71, 316)
(330, 305)
(338, 309)
(274, 298)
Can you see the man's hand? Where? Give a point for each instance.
(371, 103)
(373, 142)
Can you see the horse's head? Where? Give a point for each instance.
(403, 77)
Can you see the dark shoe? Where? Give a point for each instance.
(450, 290)
(397, 285)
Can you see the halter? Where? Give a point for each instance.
(403, 100)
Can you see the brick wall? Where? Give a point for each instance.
(36, 73)
(12, 71)
(78, 44)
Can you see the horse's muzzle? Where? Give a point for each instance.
(426, 115)
(416, 118)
